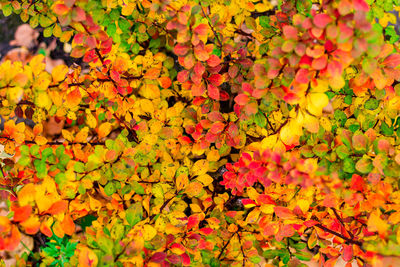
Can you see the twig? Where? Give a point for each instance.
(341, 222)
(211, 26)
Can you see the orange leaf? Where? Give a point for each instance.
(74, 98)
(165, 82)
(284, 213)
(58, 207)
(68, 225)
(12, 241)
(87, 258)
(104, 129)
(31, 225)
(21, 213)
(60, 9)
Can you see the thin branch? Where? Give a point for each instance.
(348, 240)
(211, 26)
(341, 222)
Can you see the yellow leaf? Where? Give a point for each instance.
(267, 208)
(104, 129)
(304, 205)
(43, 100)
(200, 167)
(394, 218)
(205, 179)
(213, 155)
(252, 217)
(40, 140)
(376, 224)
(195, 208)
(74, 98)
(94, 204)
(316, 102)
(194, 189)
(337, 82)
(59, 72)
(37, 64)
(291, 132)
(90, 119)
(149, 232)
(14, 94)
(150, 91)
(67, 135)
(147, 106)
(181, 182)
(26, 194)
(82, 135)
(87, 258)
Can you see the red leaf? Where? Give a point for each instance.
(321, 20)
(320, 63)
(213, 92)
(198, 89)
(58, 207)
(201, 29)
(213, 61)
(241, 99)
(302, 76)
(216, 79)
(21, 214)
(192, 221)
(310, 223)
(392, 60)
(78, 14)
(290, 32)
(158, 257)
(347, 252)
(60, 9)
(217, 127)
(181, 50)
(284, 213)
(199, 68)
(183, 76)
(185, 259)
(206, 231)
(361, 5)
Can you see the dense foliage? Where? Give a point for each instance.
(206, 133)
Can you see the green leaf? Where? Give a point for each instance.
(109, 189)
(303, 255)
(264, 21)
(124, 25)
(79, 167)
(35, 150)
(45, 21)
(47, 152)
(60, 151)
(60, 178)
(270, 254)
(348, 99)
(340, 116)
(24, 160)
(371, 104)
(137, 188)
(7, 10)
(48, 32)
(260, 119)
(321, 150)
(134, 214)
(364, 165)
(386, 130)
(348, 165)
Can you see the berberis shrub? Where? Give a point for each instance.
(205, 133)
